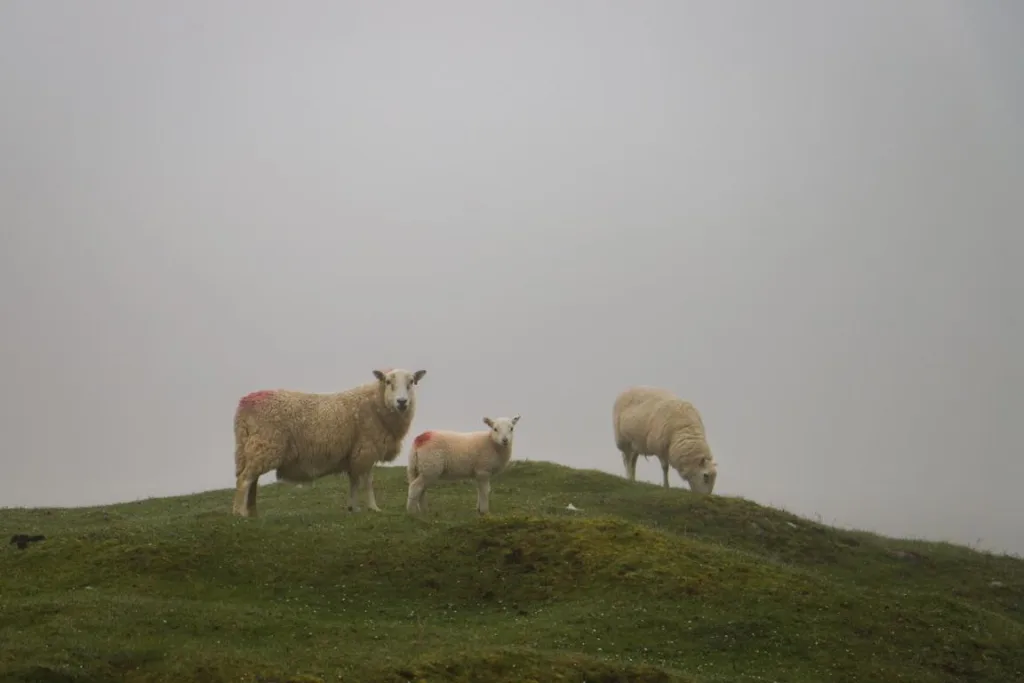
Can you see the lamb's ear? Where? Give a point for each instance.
(489, 422)
(379, 375)
(516, 418)
(418, 375)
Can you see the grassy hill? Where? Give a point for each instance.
(641, 585)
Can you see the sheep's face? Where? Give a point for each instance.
(399, 387)
(702, 478)
(501, 429)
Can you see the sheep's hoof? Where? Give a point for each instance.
(376, 509)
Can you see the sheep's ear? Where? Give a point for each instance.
(379, 375)
(418, 375)
(489, 422)
(515, 419)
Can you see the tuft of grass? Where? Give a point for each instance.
(639, 584)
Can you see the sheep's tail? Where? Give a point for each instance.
(413, 470)
(246, 405)
(241, 438)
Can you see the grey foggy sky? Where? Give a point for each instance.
(802, 216)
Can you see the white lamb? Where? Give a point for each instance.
(446, 455)
(650, 421)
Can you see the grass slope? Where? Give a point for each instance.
(642, 585)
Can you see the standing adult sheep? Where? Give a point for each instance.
(447, 455)
(651, 421)
(306, 436)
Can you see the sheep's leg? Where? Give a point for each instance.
(244, 504)
(353, 492)
(664, 470)
(371, 500)
(483, 494)
(253, 457)
(630, 458)
(417, 489)
(250, 498)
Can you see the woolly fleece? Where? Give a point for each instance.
(305, 436)
(449, 455)
(651, 421)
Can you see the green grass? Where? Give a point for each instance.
(641, 585)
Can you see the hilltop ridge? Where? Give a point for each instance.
(639, 584)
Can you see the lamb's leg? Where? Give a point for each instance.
(664, 470)
(483, 494)
(353, 492)
(417, 489)
(371, 501)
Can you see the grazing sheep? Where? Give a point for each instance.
(306, 436)
(446, 455)
(651, 421)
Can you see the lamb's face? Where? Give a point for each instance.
(399, 387)
(702, 478)
(501, 429)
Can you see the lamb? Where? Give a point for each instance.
(305, 436)
(448, 455)
(651, 421)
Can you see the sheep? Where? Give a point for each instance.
(447, 455)
(651, 421)
(305, 436)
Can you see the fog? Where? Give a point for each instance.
(804, 217)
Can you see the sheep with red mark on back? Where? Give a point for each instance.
(305, 436)
(447, 455)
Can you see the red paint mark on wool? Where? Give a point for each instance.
(422, 439)
(249, 400)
